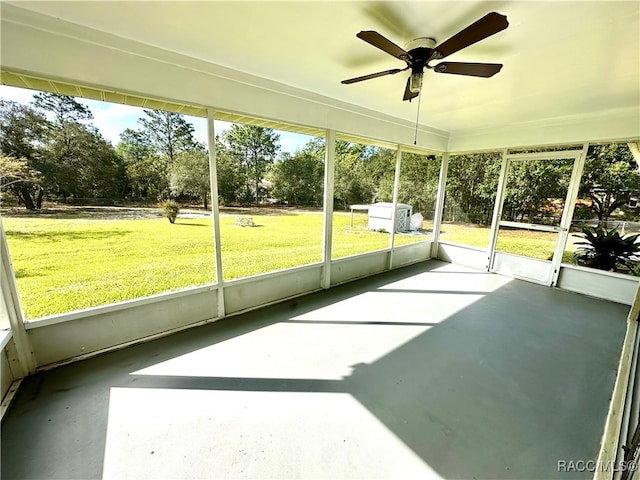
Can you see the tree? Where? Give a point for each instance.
(13, 170)
(16, 176)
(353, 183)
(65, 109)
(22, 132)
(298, 179)
(472, 182)
(189, 175)
(255, 149)
(76, 159)
(231, 179)
(367, 175)
(60, 160)
(168, 133)
(610, 178)
(533, 185)
(377, 173)
(150, 153)
(363, 173)
(146, 172)
(100, 171)
(134, 145)
(418, 185)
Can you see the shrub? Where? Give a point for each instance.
(170, 209)
(607, 249)
(582, 212)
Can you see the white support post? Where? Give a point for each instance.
(327, 223)
(609, 444)
(567, 214)
(394, 202)
(24, 362)
(635, 151)
(497, 209)
(439, 208)
(215, 211)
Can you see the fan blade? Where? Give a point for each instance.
(384, 44)
(488, 25)
(408, 94)
(473, 69)
(374, 75)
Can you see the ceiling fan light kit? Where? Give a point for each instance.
(415, 82)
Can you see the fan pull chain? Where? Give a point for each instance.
(415, 137)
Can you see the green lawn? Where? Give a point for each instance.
(65, 264)
(520, 242)
(68, 264)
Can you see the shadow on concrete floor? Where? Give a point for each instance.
(501, 382)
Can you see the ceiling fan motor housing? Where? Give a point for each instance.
(421, 51)
(420, 42)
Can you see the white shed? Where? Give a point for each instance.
(380, 216)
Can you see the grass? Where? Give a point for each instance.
(529, 243)
(351, 239)
(63, 265)
(66, 264)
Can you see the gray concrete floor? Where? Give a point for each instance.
(434, 370)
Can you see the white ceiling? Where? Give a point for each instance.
(562, 60)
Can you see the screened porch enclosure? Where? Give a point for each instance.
(471, 347)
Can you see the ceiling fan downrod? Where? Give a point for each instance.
(415, 136)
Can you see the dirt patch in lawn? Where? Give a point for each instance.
(134, 213)
(86, 212)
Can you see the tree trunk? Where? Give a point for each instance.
(257, 183)
(39, 198)
(26, 197)
(606, 209)
(205, 199)
(257, 187)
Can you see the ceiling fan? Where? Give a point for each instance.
(419, 52)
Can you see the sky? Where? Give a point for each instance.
(112, 118)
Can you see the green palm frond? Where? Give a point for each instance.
(606, 249)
